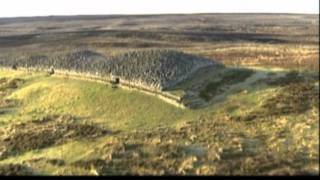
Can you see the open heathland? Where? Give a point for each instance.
(102, 95)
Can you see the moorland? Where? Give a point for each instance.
(196, 94)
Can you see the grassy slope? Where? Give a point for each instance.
(269, 144)
(42, 95)
(283, 137)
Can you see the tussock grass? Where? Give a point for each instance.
(156, 138)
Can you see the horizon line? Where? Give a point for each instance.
(151, 14)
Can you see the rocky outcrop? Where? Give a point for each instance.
(154, 69)
(160, 69)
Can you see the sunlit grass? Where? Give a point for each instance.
(281, 144)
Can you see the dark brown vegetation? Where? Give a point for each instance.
(281, 40)
(297, 95)
(45, 132)
(15, 170)
(229, 78)
(275, 134)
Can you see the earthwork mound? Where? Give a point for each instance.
(155, 69)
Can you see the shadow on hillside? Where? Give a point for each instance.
(295, 95)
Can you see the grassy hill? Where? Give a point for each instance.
(256, 114)
(55, 125)
(41, 95)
